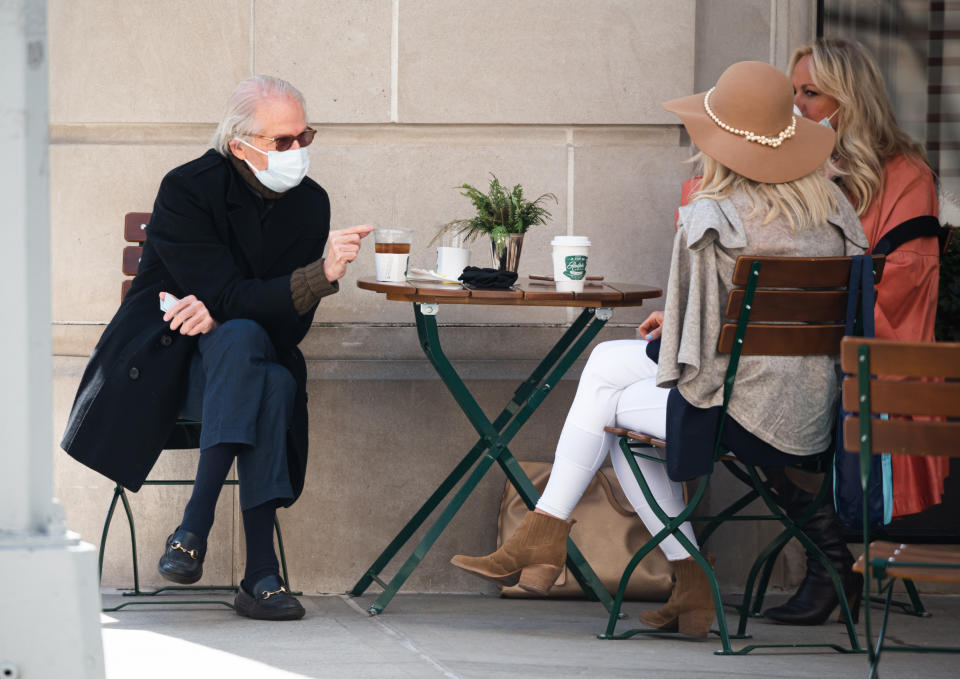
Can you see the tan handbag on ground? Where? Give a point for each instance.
(608, 533)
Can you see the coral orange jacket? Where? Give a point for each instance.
(907, 305)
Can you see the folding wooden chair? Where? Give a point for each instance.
(906, 400)
(782, 306)
(186, 436)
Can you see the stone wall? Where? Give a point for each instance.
(410, 97)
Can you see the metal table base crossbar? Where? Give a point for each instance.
(491, 447)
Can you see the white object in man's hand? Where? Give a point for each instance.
(343, 246)
(167, 302)
(189, 314)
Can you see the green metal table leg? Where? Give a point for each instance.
(520, 396)
(576, 562)
(494, 439)
(427, 542)
(418, 518)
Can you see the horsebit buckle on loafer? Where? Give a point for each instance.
(266, 595)
(192, 553)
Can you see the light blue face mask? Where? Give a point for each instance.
(285, 169)
(823, 121)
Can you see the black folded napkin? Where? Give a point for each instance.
(488, 279)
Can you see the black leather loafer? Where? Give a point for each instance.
(269, 601)
(182, 560)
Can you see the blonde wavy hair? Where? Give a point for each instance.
(804, 202)
(867, 132)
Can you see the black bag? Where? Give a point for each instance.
(847, 489)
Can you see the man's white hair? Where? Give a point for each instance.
(240, 117)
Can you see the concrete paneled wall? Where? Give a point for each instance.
(411, 98)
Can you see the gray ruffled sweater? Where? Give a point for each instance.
(790, 414)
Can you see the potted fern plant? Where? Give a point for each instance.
(503, 215)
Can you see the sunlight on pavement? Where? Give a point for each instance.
(138, 653)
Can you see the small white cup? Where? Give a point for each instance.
(452, 261)
(570, 262)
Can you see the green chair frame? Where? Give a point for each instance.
(120, 494)
(927, 385)
(800, 306)
(819, 464)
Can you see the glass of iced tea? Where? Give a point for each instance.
(391, 253)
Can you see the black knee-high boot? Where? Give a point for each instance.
(816, 598)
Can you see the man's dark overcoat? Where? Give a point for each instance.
(210, 235)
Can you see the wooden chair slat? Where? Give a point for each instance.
(783, 340)
(892, 553)
(797, 272)
(906, 397)
(131, 259)
(918, 573)
(897, 551)
(125, 288)
(908, 359)
(905, 437)
(816, 306)
(135, 226)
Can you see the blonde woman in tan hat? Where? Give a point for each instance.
(886, 177)
(762, 193)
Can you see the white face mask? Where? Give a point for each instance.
(285, 169)
(823, 121)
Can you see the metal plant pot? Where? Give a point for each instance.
(506, 251)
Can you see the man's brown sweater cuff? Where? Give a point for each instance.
(308, 285)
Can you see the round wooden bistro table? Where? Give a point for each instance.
(598, 300)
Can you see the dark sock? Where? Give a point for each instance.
(258, 531)
(211, 472)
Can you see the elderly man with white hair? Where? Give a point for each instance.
(231, 274)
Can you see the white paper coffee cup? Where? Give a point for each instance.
(570, 262)
(452, 261)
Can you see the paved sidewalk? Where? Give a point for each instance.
(474, 637)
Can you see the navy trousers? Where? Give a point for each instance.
(240, 394)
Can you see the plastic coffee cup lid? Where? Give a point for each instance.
(392, 235)
(573, 241)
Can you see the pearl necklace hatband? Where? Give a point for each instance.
(751, 136)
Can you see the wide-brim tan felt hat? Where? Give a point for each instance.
(746, 122)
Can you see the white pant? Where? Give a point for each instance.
(617, 388)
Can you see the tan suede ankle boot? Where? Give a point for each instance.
(534, 555)
(689, 610)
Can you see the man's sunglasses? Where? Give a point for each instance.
(283, 143)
